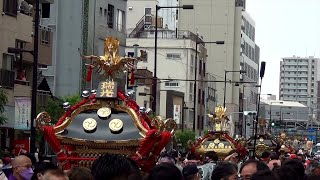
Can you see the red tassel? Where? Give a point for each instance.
(132, 78)
(89, 73)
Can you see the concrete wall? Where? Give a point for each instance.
(143, 101)
(138, 11)
(224, 24)
(68, 36)
(167, 68)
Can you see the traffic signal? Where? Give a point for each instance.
(250, 113)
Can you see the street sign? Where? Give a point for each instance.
(311, 129)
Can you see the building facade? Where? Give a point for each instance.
(298, 81)
(225, 24)
(250, 57)
(17, 31)
(176, 67)
(80, 27)
(290, 117)
(145, 10)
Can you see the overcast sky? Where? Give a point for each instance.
(284, 28)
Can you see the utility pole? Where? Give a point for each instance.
(34, 77)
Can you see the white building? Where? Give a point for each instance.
(290, 117)
(143, 12)
(176, 61)
(217, 20)
(298, 81)
(249, 62)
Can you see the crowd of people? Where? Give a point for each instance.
(170, 166)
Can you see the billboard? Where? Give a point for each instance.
(21, 146)
(22, 113)
(177, 114)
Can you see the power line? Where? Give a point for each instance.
(172, 79)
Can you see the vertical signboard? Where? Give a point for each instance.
(177, 113)
(22, 113)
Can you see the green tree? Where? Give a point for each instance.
(183, 137)
(55, 109)
(3, 102)
(73, 99)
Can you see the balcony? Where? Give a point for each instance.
(22, 88)
(45, 48)
(6, 78)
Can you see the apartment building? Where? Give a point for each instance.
(16, 31)
(80, 27)
(298, 81)
(176, 61)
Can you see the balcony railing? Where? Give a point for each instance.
(6, 78)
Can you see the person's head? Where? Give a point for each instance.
(225, 171)
(54, 174)
(191, 172)
(112, 166)
(166, 158)
(300, 157)
(212, 156)
(274, 156)
(191, 156)
(22, 167)
(250, 167)
(165, 171)
(40, 168)
(6, 160)
(135, 173)
(234, 157)
(314, 168)
(265, 157)
(291, 169)
(31, 157)
(6, 151)
(263, 175)
(80, 173)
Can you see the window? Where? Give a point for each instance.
(171, 84)
(199, 96)
(10, 7)
(192, 63)
(100, 11)
(148, 16)
(247, 48)
(173, 56)
(110, 15)
(45, 10)
(105, 12)
(177, 14)
(200, 67)
(203, 97)
(204, 69)
(45, 37)
(120, 21)
(191, 91)
(7, 62)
